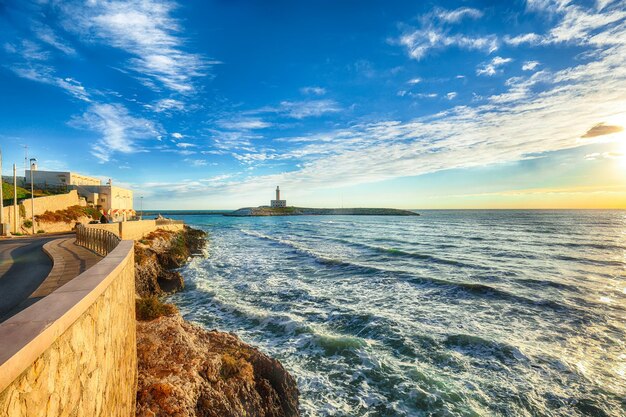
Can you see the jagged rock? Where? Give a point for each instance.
(187, 371)
(158, 253)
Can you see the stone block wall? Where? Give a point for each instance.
(74, 352)
(136, 230)
(42, 204)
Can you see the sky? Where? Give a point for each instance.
(408, 104)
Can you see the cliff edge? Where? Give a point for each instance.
(185, 370)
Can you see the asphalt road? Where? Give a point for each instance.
(23, 267)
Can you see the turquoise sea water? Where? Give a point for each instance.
(453, 313)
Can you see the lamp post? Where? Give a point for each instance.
(14, 198)
(141, 208)
(33, 164)
(1, 198)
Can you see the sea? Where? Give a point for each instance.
(452, 313)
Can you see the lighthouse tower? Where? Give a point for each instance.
(278, 202)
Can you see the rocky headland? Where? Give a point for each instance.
(184, 370)
(306, 211)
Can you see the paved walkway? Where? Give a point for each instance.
(27, 274)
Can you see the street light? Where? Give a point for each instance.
(141, 208)
(33, 166)
(2, 231)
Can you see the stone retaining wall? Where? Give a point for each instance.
(73, 353)
(135, 230)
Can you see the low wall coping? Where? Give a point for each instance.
(27, 335)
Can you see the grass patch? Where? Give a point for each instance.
(236, 367)
(150, 308)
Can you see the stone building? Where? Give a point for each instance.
(278, 202)
(57, 179)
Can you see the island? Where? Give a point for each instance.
(305, 211)
(279, 207)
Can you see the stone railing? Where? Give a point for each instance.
(98, 240)
(73, 353)
(136, 230)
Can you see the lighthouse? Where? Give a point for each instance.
(278, 202)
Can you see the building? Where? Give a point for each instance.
(278, 202)
(57, 179)
(115, 202)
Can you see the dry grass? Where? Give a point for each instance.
(150, 308)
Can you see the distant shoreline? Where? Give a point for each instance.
(306, 211)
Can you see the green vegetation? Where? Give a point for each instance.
(150, 308)
(28, 223)
(7, 193)
(22, 193)
(68, 215)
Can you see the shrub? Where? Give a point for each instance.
(150, 308)
(41, 231)
(28, 223)
(232, 367)
(22, 210)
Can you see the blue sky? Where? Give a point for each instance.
(211, 104)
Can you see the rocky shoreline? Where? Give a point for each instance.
(185, 370)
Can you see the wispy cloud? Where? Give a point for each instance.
(434, 33)
(492, 67)
(530, 65)
(310, 108)
(455, 16)
(316, 91)
(243, 123)
(120, 131)
(145, 30)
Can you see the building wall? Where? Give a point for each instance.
(78, 179)
(73, 353)
(278, 203)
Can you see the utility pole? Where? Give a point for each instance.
(14, 199)
(141, 208)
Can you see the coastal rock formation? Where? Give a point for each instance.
(184, 370)
(160, 252)
(187, 371)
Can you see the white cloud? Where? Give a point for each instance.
(530, 65)
(530, 38)
(492, 67)
(247, 123)
(455, 16)
(120, 131)
(422, 41)
(311, 108)
(167, 104)
(177, 135)
(317, 91)
(186, 145)
(197, 162)
(414, 81)
(145, 30)
(451, 95)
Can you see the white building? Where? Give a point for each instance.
(115, 202)
(278, 202)
(57, 179)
